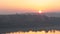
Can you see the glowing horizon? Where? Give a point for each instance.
(40, 11)
(44, 5)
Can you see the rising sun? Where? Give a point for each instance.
(40, 11)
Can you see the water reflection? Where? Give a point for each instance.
(35, 32)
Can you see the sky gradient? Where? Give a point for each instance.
(13, 6)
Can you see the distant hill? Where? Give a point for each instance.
(53, 14)
(28, 21)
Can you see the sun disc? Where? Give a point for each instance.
(40, 11)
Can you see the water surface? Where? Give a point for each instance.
(34, 32)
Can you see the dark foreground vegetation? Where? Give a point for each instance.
(28, 21)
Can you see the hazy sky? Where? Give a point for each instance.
(13, 6)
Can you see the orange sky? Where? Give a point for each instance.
(45, 5)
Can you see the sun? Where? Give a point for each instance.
(40, 11)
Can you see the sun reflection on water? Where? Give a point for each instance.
(38, 32)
